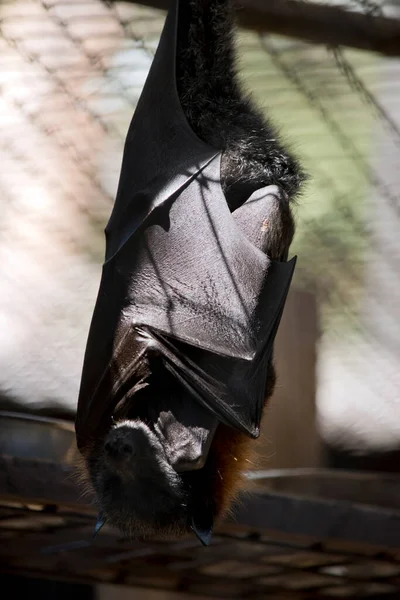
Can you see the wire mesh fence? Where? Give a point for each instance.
(71, 73)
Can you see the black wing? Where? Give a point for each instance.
(183, 275)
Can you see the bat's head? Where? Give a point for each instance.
(167, 466)
(137, 488)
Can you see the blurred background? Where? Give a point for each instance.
(71, 72)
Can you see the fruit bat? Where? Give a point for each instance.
(178, 360)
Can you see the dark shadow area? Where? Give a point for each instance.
(384, 462)
(14, 588)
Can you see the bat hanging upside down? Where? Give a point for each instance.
(178, 361)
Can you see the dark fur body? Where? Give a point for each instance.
(142, 494)
(225, 117)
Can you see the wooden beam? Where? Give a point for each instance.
(315, 23)
(289, 435)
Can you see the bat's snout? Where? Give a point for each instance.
(125, 447)
(120, 450)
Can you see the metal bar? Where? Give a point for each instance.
(316, 23)
(321, 519)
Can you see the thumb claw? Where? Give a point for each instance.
(99, 524)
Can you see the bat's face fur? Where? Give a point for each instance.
(158, 472)
(138, 489)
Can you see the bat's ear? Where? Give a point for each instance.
(259, 217)
(202, 524)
